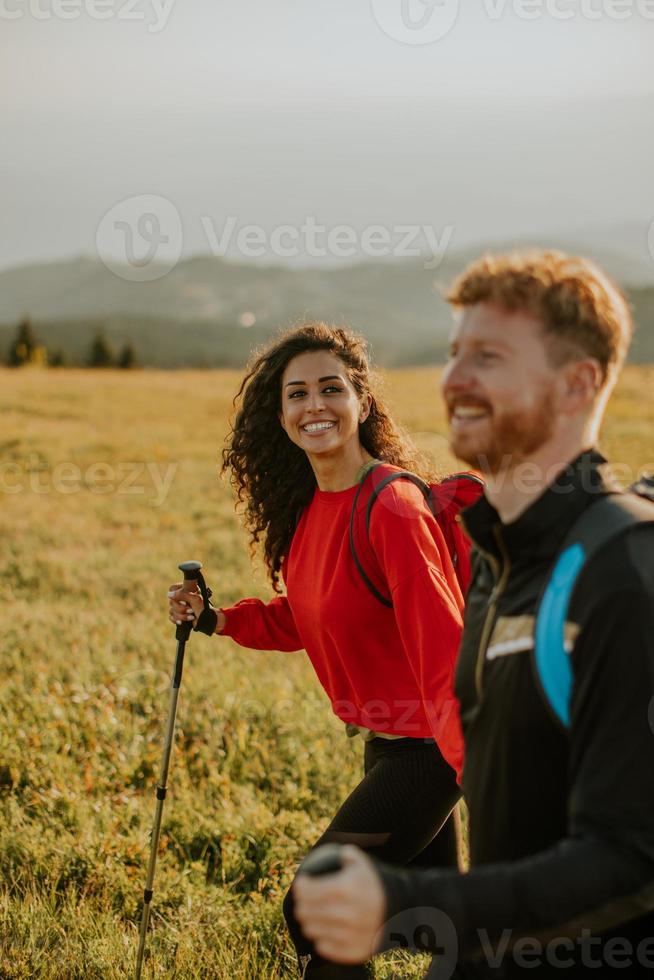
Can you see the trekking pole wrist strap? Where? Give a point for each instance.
(207, 621)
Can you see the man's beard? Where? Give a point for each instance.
(511, 437)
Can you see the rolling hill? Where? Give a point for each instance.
(210, 312)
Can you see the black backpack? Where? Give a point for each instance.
(602, 522)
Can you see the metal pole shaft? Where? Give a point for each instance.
(161, 796)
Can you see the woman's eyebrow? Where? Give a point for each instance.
(328, 377)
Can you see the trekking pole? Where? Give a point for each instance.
(192, 579)
(325, 860)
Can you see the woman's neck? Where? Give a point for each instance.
(339, 472)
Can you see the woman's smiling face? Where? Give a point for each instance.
(320, 409)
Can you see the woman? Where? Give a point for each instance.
(306, 430)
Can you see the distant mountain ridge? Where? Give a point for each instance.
(210, 310)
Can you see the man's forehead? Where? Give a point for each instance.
(486, 323)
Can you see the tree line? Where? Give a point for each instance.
(27, 349)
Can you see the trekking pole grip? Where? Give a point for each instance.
(325, 860)
(191, 571)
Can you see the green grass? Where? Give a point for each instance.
(259, 764)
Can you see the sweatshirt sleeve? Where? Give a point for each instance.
(411, 551)
(601, 874)
(263, 625)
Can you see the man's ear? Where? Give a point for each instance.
(583, 383)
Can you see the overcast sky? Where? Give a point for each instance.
(269, 112)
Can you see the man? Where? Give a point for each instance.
(561, 819)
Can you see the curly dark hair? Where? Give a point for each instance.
(272, 476)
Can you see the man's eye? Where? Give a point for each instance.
(487, 355)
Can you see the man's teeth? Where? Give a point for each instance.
(469, 412)
(317, 426)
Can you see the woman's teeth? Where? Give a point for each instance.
(318, 426)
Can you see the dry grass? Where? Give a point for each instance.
(91, 534)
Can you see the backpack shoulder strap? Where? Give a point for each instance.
(601, 523)
(366, 495)
(355, 533)
(391, 478)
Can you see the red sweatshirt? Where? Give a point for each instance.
(390, 670)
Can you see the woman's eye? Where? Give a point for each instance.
(327, 390)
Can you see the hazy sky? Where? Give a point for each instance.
(269, 113)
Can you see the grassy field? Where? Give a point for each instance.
(107, 481)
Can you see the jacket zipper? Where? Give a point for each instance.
(501, 576)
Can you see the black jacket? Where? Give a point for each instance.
(561, 822)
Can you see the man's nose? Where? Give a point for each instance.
(457, 376)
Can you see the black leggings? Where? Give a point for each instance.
(401, 813)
